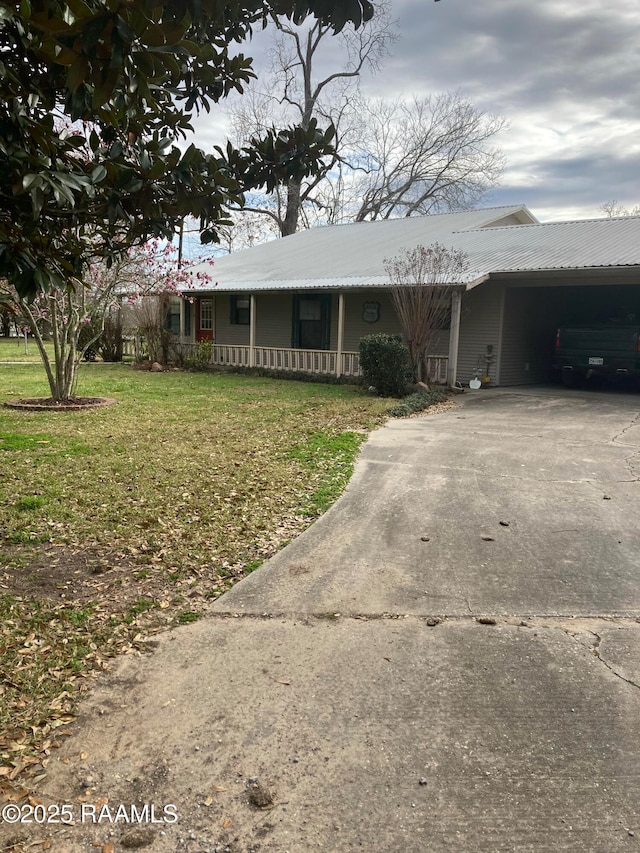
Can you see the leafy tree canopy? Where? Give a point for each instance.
(94, 94)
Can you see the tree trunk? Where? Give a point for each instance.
(62, 375)
(289, 225)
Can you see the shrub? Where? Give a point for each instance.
(179, 354)
(110, 344)
(385, 364)
(106, 341)
(417, 402)
(201, 357)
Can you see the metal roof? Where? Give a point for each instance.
(348, 256)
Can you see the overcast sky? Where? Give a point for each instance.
(564, 73)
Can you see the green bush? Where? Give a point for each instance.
(201, 357)
(107, 344)
(385, 364)
(110, 344)
(417, 402)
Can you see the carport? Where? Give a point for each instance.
(535, 309)
(587, 272)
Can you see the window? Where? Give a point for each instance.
(172, 318)
(240, 310)
(311, 321)
(206, 314)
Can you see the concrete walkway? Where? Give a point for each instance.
(448, 660)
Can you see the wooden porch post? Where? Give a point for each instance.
(252, 332)
(454, 337)
(340, 334)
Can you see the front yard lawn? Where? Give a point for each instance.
(15, 349)
(117, 523)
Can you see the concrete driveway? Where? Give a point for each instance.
(448, 660)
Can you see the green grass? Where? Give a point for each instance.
(147, 511)
(195, 468)
(13, 349)
(28, 503)
(334, 453)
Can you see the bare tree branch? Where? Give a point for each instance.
(612, 209)
(421, 285)
(292, 90)
(426, 155)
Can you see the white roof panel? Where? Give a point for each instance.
(347, 256)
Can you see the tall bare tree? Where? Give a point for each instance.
(392, 159)
(421, 284)
(294, 92)
(612, 209)
(413, 157)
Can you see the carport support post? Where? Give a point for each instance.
(454, 336)
(340, 334)
(252, 332)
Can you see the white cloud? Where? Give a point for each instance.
(564, 73)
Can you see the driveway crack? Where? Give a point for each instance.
(596, 651)
(634, 422)
(594, 642)
(630, 459)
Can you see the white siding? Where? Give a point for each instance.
(479, 329)
(355, 327)
(226, 332)
(273, 319)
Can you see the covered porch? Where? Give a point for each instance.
(315, 333)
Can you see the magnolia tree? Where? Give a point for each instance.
(421, 281)
(130, 76)
(147, 272)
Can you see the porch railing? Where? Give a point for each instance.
(300, 360)
(230, 355)
(437, 367)
(307, 361)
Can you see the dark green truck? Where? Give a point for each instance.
(611, 351)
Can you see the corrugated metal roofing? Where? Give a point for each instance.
(347, 256)
(578, 244)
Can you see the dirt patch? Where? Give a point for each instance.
(55, 572)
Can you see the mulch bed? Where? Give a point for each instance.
(47, 404)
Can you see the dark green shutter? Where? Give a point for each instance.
(325, 319)
(295, 322)
(187, 319)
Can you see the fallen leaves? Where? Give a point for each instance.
(122, 524)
